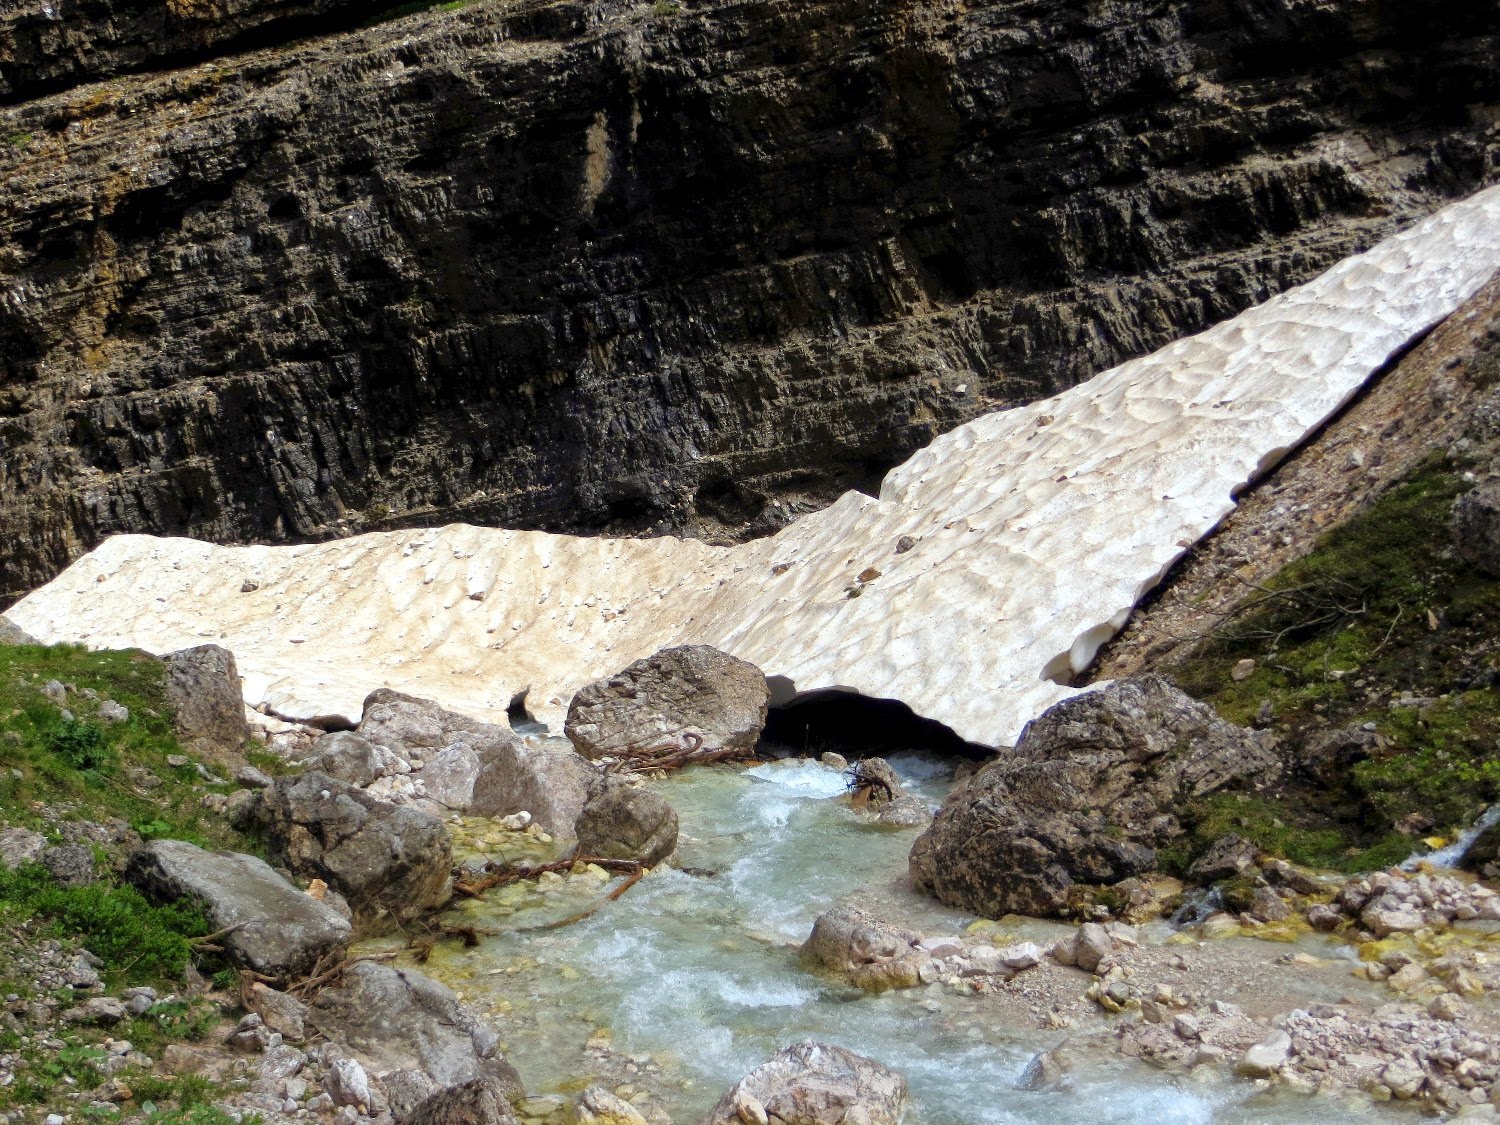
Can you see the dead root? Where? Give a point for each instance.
(687, 750)
(498, 876)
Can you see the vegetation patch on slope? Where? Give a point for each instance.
(1374, 659)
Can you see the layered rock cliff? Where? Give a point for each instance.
(665, 267)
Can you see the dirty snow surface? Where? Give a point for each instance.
(1036, 530)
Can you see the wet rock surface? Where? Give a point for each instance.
(624, 821)
(814, 1083)
(680, 699)
(1086, 797)
(683, 328)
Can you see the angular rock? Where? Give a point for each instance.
(280, 1012)
(1404, 1078)
(669, 701)
(14, 635)
(99, 1010)
(391, 863)
(1228, 857)
(19, 846)
(868, 953)
(449, 777)
(411, 1030)
(625, 821)
(71, 865)
(1384, 917)
(208, 703)
(1269, 906)
(481, 1101)
(345, 756)
(812, 1083)
(548, 781)
(1088, 793)
(1048, 1070)
(346, 1083)
(278, 931)
(597, 1106)
(1092, 945)
(1475, 525)
(1266, 1057)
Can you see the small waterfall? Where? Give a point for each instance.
(1454, 853)
(1197, 906)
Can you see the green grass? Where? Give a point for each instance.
(92, 767)
(138, 942)
(19, 140)
(1380, 607)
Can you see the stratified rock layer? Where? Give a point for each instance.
(586, 265)
(987, 574)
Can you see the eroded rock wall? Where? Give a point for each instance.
(602, 266)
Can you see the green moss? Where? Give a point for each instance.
(1379, 608)
(413, 7)
(1281, 827)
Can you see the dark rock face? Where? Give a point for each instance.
(1089, 792)
(51, 46)
(584, 266)
(390, 862)
(1476, 526)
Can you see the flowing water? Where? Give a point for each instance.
(698, 970)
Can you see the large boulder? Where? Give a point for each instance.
(668, 701)
(345, 756)
(864, 951)
(1090, 791)
(391, 863)
(203, 687)
(479, 768)
(480, 1102)
(625, 821)
(1476, 526)
(812, 1083)
(273, 928)
(413, 1034)
(14, 635)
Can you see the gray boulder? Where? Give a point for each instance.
(864, 951)
(666, 701)
(14, 635)
(21, 845)
(390, 862)
(625, 821)
(1476, 526)
(278, 931)
(812, 1083)
(71, 865)
(414, 1032)
(203, 687)
(344, 756)
(480, 768)
(1088, 794)
(480, 1102)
